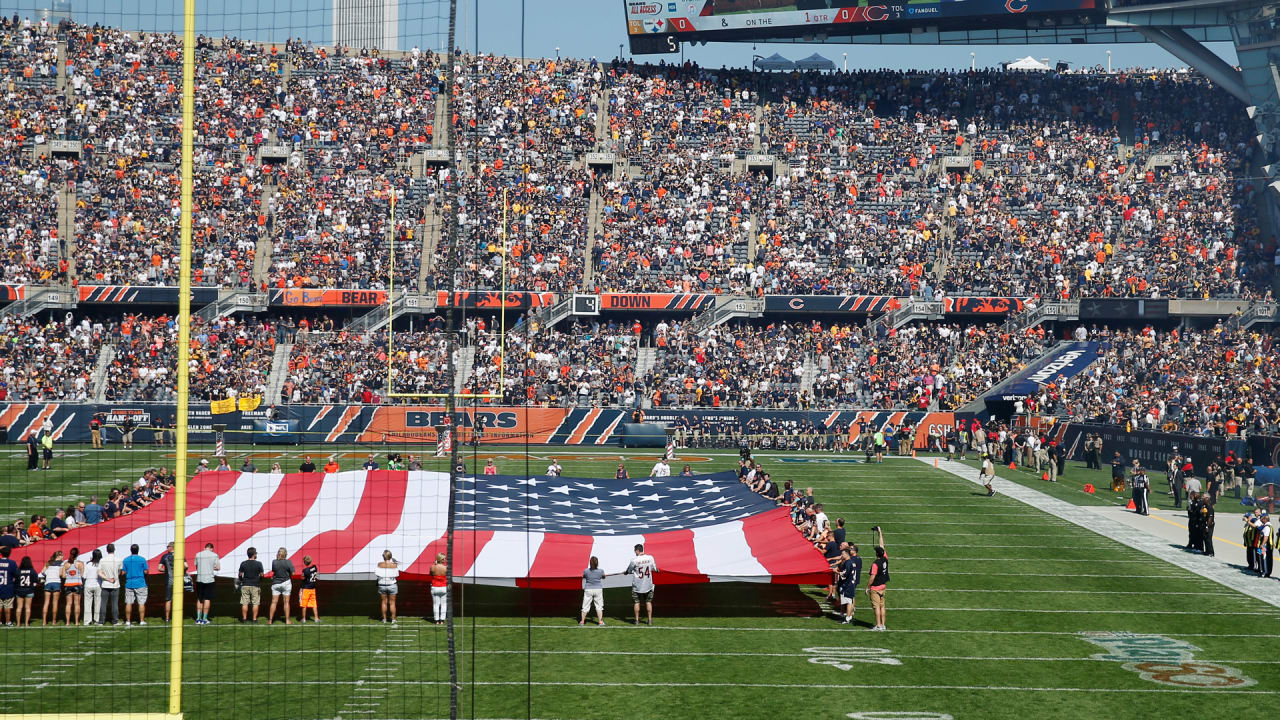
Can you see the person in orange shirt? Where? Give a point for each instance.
(331, 466)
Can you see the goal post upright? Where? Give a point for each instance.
(184, 354)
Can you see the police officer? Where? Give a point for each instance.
(1140, 488)
(1206, 526)
(1250, 541)
(1193, 521)
(1266, 544)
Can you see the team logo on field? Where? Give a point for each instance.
(1164, 660)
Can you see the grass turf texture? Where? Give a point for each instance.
(988, 600)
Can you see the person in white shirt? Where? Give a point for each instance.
(820, 522)
(642, 568)
(660, 469)
(554, 468)
(109, 573)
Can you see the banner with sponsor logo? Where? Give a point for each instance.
(418, 424)
(1068, 359)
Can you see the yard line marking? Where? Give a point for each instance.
(1086, 517)
(770, 686)
(1223, 592)
(834, 628)
(1036, 560)
(368, 690)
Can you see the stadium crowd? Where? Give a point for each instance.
(1136, 183)
(1216, 381)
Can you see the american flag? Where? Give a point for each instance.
(536, 531)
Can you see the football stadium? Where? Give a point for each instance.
(373, 359)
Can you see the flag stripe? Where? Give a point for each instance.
(508, 555)
(675, 554)
(301, 500)
(785, 555)
(426, 505)
(466, 547)
(722, 550)
(560, 561)
(380, 503)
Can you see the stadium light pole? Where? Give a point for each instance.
(1108, 62)
(846, 61)
(973, 61)
(184, 352)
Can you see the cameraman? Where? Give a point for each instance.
(878, 580)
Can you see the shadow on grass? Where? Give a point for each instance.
(707, 600)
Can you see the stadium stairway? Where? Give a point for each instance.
(262, 253)
(466, 359)
(646, 356)
(808, 374)
(279, 372)
(430, 231)
(595, 228)
(67, 225)
(440, 129)
(602, 120)
(98, 381)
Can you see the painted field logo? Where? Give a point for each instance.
(1164, 660)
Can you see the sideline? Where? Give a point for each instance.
(1143, 534)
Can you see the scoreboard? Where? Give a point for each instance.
(658, 26)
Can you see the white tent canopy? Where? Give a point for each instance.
(775, 62)
(815, 62)
(1027, 63)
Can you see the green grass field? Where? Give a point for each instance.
(987, 612)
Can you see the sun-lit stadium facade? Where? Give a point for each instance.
(367, 23)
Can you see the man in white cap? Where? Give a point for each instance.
(202, 467)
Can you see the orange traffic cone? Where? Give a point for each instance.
(1131, 506)
(1045, 477)
(1013, 466)
(935, 462)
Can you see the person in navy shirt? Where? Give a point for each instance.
(850, 573)
(370, 464)
(8, 586)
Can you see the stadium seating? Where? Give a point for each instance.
(1058, 185)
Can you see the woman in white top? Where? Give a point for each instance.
(387, 572)
(52, 573)
(92, 589)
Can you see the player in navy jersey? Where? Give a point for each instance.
(28, 581)
(8, 585)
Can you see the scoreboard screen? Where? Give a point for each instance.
(727, 20)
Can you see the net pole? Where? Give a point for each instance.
(391, 293)
(451, 401)
(502, 309)
(184, 354)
